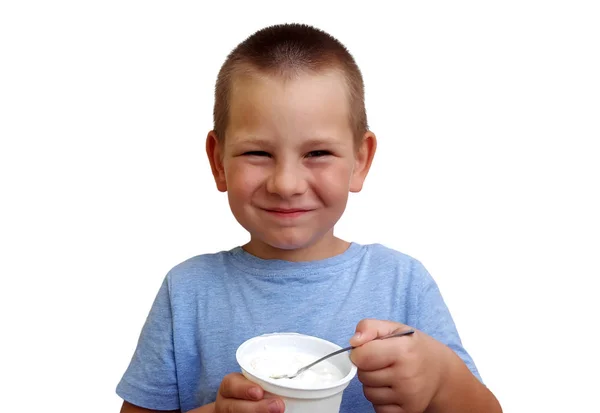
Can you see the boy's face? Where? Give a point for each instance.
(289, 158)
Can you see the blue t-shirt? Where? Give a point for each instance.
(210, 304)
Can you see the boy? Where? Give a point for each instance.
(290, 141)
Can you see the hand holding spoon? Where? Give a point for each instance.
(303, 369)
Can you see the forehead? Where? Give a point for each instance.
(306, 104)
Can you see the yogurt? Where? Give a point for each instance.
(319, 389)
(274, 361)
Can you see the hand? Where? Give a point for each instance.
(237, 394)
(399, 375)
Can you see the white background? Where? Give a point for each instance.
(487, 116)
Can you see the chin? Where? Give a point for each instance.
(289, 243)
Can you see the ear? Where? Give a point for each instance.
(214, 150)
(363, 160)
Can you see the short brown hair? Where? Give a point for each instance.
(287, 50)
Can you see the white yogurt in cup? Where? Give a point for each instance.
(317, 390)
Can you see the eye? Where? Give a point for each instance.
(317, 154)
(256, 153)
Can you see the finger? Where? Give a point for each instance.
(236, 386)
(379, 395)
(379, 354)
(370, 329)
(389, 408)
(263, 406)
(378, 378)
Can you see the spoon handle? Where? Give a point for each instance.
(397, 334)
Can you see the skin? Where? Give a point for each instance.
(289, 146)
(415, 373)
(288, 163)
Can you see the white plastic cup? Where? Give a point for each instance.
(299, 398)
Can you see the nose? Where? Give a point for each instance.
(287, 180)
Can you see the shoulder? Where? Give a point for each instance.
(385, 256)
(195, 278)
(407, 270)
(199, 267)
(386, 253)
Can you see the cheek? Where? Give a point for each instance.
(333, 181)
(243, 179)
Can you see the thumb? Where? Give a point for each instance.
(371, 329)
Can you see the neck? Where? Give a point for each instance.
(326, 247)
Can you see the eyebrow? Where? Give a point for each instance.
(249, 141)
(254, 140)
(327, 141)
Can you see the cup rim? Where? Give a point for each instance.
(278, 383)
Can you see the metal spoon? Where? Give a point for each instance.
(303, 369)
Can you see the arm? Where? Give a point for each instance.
(461, 388)
(236, 394)
(150, 379)
(462, 392)
(415, 373)
(130, 408)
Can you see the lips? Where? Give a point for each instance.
(286, 212)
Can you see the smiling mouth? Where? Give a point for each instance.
(287, 213)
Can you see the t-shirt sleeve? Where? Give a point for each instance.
(433, 317)
(150, 381)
